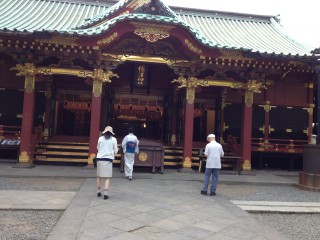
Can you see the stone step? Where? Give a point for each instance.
(278, 207)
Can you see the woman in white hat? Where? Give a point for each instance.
(107, 148)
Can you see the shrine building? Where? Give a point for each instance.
(70, 68)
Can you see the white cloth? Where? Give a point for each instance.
(107, 148)
(128, 164)
(130, 138)
(214, 152)
(104, 169)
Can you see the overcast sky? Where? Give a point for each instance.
(301, 19)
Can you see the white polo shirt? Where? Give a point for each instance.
(214, 153)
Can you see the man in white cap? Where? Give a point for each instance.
(213, 152)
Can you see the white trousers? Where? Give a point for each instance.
(128, 164)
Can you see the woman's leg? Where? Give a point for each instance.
(106, 187)
(99, 186)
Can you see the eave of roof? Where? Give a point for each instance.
(262, 34)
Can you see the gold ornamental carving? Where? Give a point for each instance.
(255, 86)
(191, 82)
(234, 55)
(29, 71)
(152, 32)
(192, 47)
(190, 95)
(24, 157)
(99, 77)
(143, 156)
(59, 40)
(248, 98)
(108, 40)
(97, 88)
(138, 3)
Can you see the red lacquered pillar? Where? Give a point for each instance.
(25, 156)
(95, 119)
(188, 127)
(247, 130)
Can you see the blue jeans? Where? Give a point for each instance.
(215, 176)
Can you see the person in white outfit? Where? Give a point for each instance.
(130, 145)
(213, 152)
(107, 148)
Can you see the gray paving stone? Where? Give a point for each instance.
(125, 211)
(101, 232)
(168, 224)
(143, 207)
(238, 233)
(128, 236)
(186, 219)
(194, 232)
(104, 218)
(212, 225)
(174, 236)
(150, 232)
(146, 218)
(162, 213)
(126, 224)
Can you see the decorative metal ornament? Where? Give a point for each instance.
(97, 88)
(152, 32)
(138, 3)
(192, 47)
(24, 157)
(190, 95)
(143, 156)
(108, 40)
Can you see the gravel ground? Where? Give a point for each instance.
(40, 184)
(294, 226)
(27, 224)
(267, 193)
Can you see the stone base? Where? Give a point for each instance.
(309, 181)
(186, 170)
(23, 165)
(89, 166)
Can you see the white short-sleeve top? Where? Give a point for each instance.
(214, 153)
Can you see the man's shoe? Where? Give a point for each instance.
(213, 194)
(204, 193)
(130, 178)
(105, 197)
(99, 194)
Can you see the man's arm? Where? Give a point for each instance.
(206, 151)
(221, 152)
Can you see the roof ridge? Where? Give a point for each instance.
(210, 11)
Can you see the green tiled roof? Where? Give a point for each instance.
(261, 34)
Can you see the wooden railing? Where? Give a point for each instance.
(278, 145)
(10, 131)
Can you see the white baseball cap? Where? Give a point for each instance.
(211, 136)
